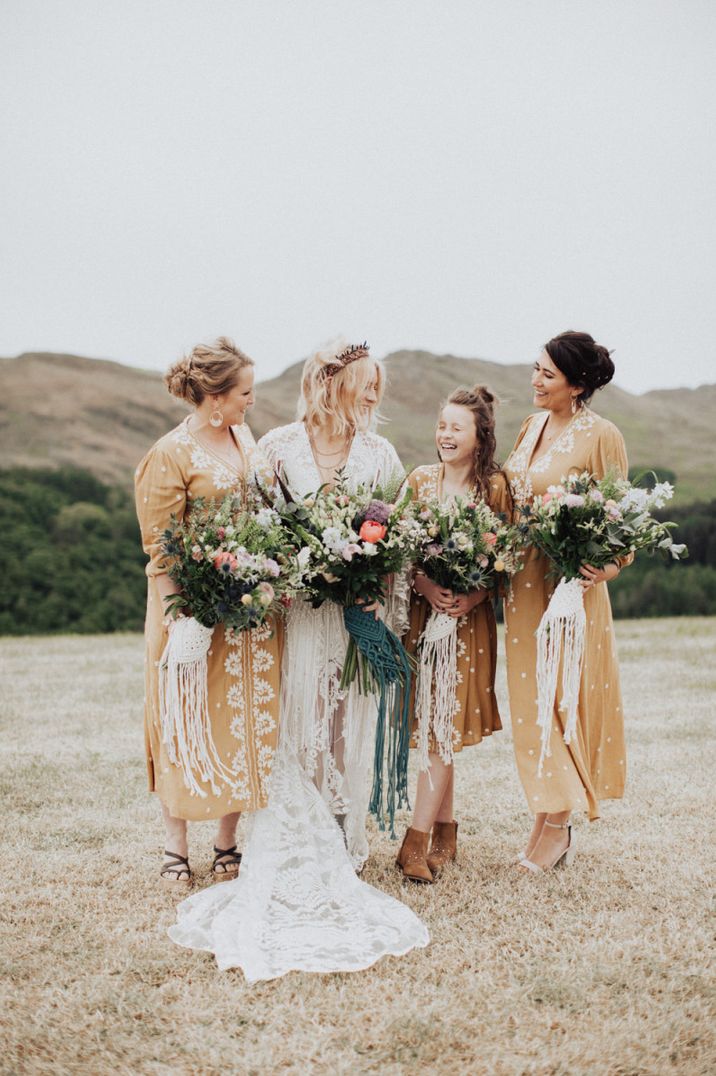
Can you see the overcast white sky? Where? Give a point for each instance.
(467, 176)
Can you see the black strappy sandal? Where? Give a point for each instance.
(226, 864)
(177, 871)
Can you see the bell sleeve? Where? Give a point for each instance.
(609, 456)
(500, 497)
(160, 493)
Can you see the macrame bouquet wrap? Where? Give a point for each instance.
(560, 643)
(436, 694)
(184, 707)
(382, 669)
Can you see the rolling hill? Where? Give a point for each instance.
(102, 416)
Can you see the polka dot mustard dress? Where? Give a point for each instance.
(477, 715)
(593, 766)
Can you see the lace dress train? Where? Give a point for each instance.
(297, 904)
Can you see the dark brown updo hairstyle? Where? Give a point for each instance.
(208, 370)
(585, 363)
(481, 403)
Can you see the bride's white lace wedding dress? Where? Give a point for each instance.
(297, 903)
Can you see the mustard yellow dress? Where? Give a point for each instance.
(477, 714)
(243, 667)
(593, 766)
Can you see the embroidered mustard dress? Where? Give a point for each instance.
(593, 766)
(243, 667)
(477, 714)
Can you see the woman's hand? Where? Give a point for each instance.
(591, 576)
(464, 603)
(372, 607)
(439, 598)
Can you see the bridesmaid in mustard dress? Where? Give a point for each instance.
(211, 453)
(566, 437)
(465, 440)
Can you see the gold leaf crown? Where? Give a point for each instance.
(351, 354)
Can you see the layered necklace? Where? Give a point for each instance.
(328, 463)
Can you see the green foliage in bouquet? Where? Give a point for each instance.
(588, 521)
(349, 542)
(232, 562)
(466, 546)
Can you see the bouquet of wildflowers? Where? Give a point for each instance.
(584, 520)
(463, 546)
(235, 567)
(233, 563)
(348, 543)
(588, 521)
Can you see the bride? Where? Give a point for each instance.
(297, 903)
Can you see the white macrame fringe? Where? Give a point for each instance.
(436, 692)
(184, 707)
(560, 638)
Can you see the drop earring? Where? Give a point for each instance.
(574, 405)
(216, 418)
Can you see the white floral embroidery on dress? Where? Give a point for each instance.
(264, 722)
(519, 463)
(263, 660)
(263, 692)
(223, 476)
(427, 481)
(233, 663)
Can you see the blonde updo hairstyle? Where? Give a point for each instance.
(331, 399)
(208, 370)
(481, 403)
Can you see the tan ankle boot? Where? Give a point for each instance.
(443, 847)
(412, 856)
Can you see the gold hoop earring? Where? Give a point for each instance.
(216, 418)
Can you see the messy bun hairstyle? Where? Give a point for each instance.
(481, 403)
(585, 363)
(208, 370)
(332, 388)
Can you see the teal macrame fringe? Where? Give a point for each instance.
(377, 658)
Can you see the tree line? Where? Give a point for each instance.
(71, 559)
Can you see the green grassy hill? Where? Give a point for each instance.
(67, 410)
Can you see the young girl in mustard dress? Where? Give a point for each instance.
(565, 437)
(209, 455)
(465, 439)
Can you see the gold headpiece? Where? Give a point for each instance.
(351, 354)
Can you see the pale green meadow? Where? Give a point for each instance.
(604, 969)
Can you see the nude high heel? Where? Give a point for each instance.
(564, 859)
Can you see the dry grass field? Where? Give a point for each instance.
(604, 969)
